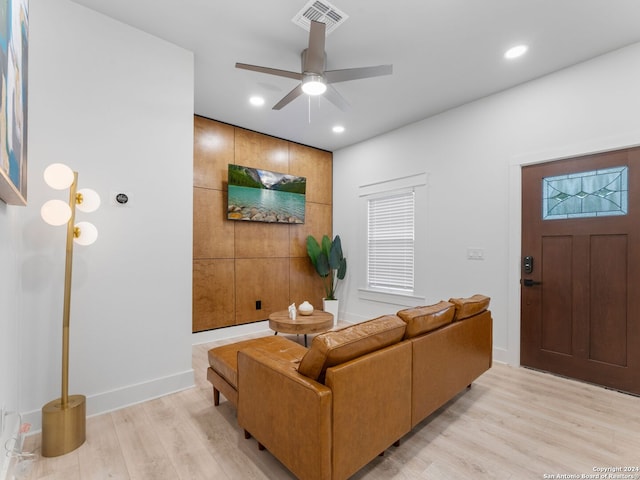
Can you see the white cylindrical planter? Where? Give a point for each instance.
(331, 306)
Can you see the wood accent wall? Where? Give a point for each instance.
(236, 263)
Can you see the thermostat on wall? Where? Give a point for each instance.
(121, 198)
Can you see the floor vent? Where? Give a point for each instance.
(320, 11)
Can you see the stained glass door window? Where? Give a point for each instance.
(586, 194)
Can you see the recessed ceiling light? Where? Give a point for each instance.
(516, 52)
(338, 129)
(256, 101)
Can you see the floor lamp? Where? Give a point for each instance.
(64, 419)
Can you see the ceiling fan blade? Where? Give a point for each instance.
(338, 100)
(270, 71)
(344, 75)
(289, 97)
(314, 58)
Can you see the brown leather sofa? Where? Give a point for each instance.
(327, 411)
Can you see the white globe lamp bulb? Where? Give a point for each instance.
(90, 200)
(55, 212)
(86, 233)
(58, 176)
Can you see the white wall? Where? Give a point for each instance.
(116, 105)
(473, 155)
(10, 314)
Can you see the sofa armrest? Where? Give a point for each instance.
(286, 412)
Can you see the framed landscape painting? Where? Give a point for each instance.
(14, 28)
(256, 195)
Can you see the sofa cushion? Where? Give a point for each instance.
(424, 319)
(339, 346)
(224, 359)
(468, 307)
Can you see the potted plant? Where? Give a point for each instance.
(329, 262)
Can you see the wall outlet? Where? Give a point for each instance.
(258, 304)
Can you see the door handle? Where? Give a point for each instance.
(527, 282)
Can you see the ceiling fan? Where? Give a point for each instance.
(315, 80)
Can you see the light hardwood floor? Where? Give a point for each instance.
(513, 423)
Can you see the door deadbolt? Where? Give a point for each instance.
(527, 264)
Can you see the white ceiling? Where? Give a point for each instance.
(444, 53)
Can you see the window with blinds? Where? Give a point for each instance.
(391, 241)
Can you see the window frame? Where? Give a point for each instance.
(416, 183)
(403, 233)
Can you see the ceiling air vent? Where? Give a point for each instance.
(320, 11)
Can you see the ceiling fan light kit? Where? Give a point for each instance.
(313, 84)
(314, 79)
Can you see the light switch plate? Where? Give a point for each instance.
(474, 253)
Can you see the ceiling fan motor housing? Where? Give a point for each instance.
(303, 57)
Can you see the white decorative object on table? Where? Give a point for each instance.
(305, 308)
(292, 311)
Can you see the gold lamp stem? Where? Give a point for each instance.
(67, 292)
(64, 419)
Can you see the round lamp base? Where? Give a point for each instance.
(63, 429)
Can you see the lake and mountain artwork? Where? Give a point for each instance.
(263, 196)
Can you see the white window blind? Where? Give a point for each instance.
(390, 242)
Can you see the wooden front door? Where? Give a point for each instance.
(580, 285)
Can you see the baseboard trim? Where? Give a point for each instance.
(503, 356)
(123, 397)
(226, 333)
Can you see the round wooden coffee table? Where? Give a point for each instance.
(317, 322)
